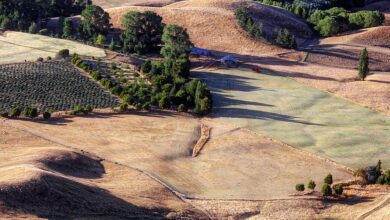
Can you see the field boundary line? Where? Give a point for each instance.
(178, 194)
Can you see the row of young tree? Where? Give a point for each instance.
(28, 112)
(170, 83)
(284, 37)
(326, 189)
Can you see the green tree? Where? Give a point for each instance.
(112, 44)
(363, 64)
(15, 112)
(95, 21)
(142, 32)
(46, 115)
(286, 39)
(328, 26)
(328, 179)
(326, 190)
(311, 185)
(338, 189)
(300, 187)
(176, 50)
(67, 31)
(100, 40)
(33, 29)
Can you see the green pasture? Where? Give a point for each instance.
(301, 116)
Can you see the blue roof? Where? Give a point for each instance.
(229, 58)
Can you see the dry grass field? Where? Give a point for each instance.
(161, 144)
(43, 179)
(120, 3)
(211, 24)
(17, 47)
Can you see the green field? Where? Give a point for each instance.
(300, 115)
(17, 47)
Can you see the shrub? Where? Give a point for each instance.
(48, 58)
(163, 102)
(146, 66)
(123, 107)
(182, 108)
(247, 23)
(4, 114)
(326, 190)
(138, 106)
(15, 112)
(111, 46)
(363, 64)
(311, 185)
(338, 189)
(89, 108)
(33, 29)
(328, 179)
(44, 32)
(100, 40)
(286, 39)
(62, 54)
(300, 187)
(46, 115)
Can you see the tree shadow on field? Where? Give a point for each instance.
(67, 119)
(226, 105)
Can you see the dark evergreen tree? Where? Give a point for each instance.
(142, 32)
(95, 21)
(363, 64)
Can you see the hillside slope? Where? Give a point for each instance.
(212, 25)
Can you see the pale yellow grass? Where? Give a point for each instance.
(18, 47)
(213, 28)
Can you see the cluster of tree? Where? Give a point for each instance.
(326, 189)
(336, 20)
(170, 76)
(78, 109)
(27, 112)
(170, 84)
(19, 14)
(304, 8)
(374, 175)
(284, 37)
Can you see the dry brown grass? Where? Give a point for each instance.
(211, 24)
(41, 178)
(118, 3)
(161, 144)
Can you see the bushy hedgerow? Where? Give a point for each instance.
(247, 23)
(336, 20)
